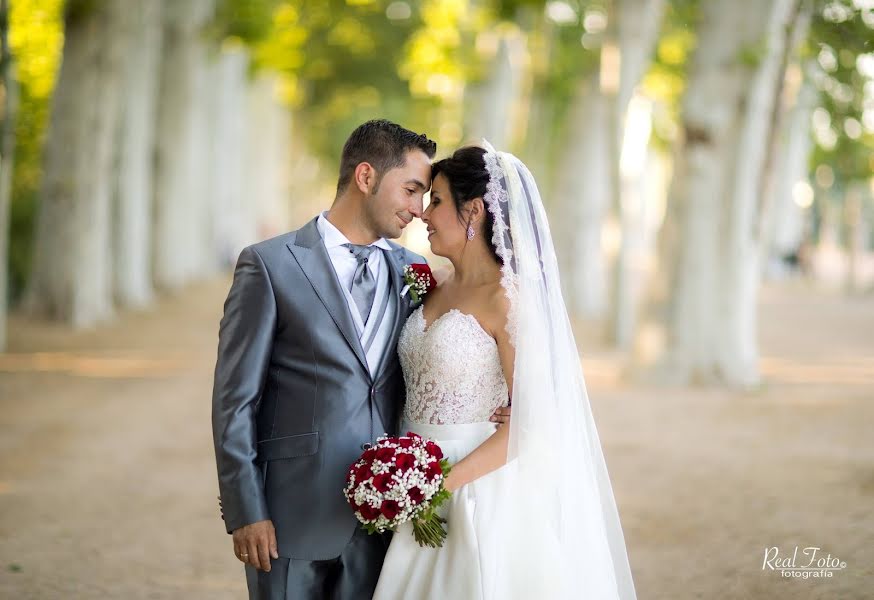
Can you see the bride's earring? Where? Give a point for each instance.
(470, 232)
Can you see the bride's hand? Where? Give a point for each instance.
(501, 416)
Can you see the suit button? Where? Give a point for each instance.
(372, 393)
(366, 446)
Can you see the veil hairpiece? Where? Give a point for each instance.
(497, 201)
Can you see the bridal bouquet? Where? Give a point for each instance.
(400, 479)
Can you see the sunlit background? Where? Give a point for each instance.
(707, 168)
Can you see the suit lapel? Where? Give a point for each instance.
(312, 256)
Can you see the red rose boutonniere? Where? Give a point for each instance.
(419, 280)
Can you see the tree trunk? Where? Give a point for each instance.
(739, 356)
(589, 179)
(854, 226)
(268, 177)
(540, 119)
(135, 168)
(782, 222)
(734, 79)
(234, 194)
(497, 98)
(785, 220)
(71, 280)
(582, 198)
(638, 24)
(181, 223)
(7, 150)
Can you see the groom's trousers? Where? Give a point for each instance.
(350, 576)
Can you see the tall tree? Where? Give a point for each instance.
(36, 41)
(8, 112)
(786, 188)
(181, 240)
(791, 192)
(638, 23)
(734, 79)
(843, 129)
(135, 140)
(235, 221)
(618, 41)
(71, 279)
(583, 164)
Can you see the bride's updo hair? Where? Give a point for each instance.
(468, 178)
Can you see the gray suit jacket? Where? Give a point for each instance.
(293, 401)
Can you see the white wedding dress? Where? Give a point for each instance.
(545, 525)
(454, 384)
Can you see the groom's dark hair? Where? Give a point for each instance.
(384, 145)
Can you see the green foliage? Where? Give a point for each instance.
(665, 81)
(339, 60)
(841, 35)
(751, 55)
(36, 41)
(342, 62)
(248, 20)
(78, 10)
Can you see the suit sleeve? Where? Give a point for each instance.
(245, 344)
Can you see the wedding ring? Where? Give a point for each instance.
(244, 555)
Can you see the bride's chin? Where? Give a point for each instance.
(435, 250)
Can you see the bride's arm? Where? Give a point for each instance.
(492, 453)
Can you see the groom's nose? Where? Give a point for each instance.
(416, 207)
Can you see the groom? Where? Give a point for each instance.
(307, 374)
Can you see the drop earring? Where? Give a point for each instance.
(470, 232)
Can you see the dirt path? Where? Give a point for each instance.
(107, 479)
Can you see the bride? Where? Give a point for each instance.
(532, 513)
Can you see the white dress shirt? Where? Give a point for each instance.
(345, 264)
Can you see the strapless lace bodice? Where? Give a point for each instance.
(451, 368)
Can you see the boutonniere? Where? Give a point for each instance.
(419, 280)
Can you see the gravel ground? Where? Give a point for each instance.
(107, 479)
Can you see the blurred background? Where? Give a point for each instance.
(708, 169)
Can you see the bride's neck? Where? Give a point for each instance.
(475, 267)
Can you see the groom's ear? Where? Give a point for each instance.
(364, 177)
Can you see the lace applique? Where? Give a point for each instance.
(451, 368)
(497, 201)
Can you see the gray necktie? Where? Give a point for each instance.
(363, 287)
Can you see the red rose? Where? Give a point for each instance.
(415, 495)
(385, 454)
(423, 271)
(363, 472)
(434, 450)
(369, 512)
(413, 435)
(368, 455)
(405, 442)
(390, 509)
(434, 470)
(405, 461)
(382, 482)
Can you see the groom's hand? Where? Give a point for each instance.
(255, 544)
(502, 415)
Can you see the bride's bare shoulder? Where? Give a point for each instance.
(497, 309)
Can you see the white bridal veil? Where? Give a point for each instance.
(562, 534)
